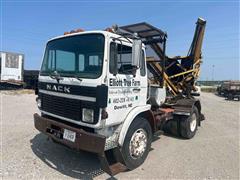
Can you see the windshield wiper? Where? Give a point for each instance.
(78, 78)
(56, 75)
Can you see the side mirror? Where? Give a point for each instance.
(114, 59)
(136, 52)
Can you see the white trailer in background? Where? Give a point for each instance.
(11, 69)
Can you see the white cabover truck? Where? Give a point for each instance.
(11, 69)
(98, 92)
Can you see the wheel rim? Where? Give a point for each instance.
(193, 122)
(138, 143)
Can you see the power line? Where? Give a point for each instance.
(233, 57)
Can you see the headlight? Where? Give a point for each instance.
(87, 115)
(39, 102)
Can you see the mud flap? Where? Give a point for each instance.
(112, 161)
(202, 117)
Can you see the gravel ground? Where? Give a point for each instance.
(212, 154)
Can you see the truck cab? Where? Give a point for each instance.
(88, 80)
(78, 70)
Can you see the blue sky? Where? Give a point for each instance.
(27, 25)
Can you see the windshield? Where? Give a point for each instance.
(74, 56)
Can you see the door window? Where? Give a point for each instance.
(124, 59)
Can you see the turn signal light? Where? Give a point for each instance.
(104, 114)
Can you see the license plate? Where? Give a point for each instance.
(69, 135)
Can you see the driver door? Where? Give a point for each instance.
(125, 88)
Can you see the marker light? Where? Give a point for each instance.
(74, 31)
(109, 30)
(39, 102)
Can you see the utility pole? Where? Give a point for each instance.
(213, 66)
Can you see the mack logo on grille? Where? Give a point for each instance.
(58, 88)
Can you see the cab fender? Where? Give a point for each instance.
(128, 120)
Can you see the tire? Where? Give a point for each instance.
(140, 127)
(54, 141)
(188, 126)
(171, 127)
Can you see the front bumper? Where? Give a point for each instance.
(84, 140)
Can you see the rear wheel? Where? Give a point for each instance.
(188, 126)
(137, 143)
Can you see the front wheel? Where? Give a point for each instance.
(137, 143)
(188, 126)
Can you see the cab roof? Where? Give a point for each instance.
(103, 32)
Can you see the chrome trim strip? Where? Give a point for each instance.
(96, 126)
(85, 98)
(69, 120)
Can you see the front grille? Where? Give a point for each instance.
(66, 107)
